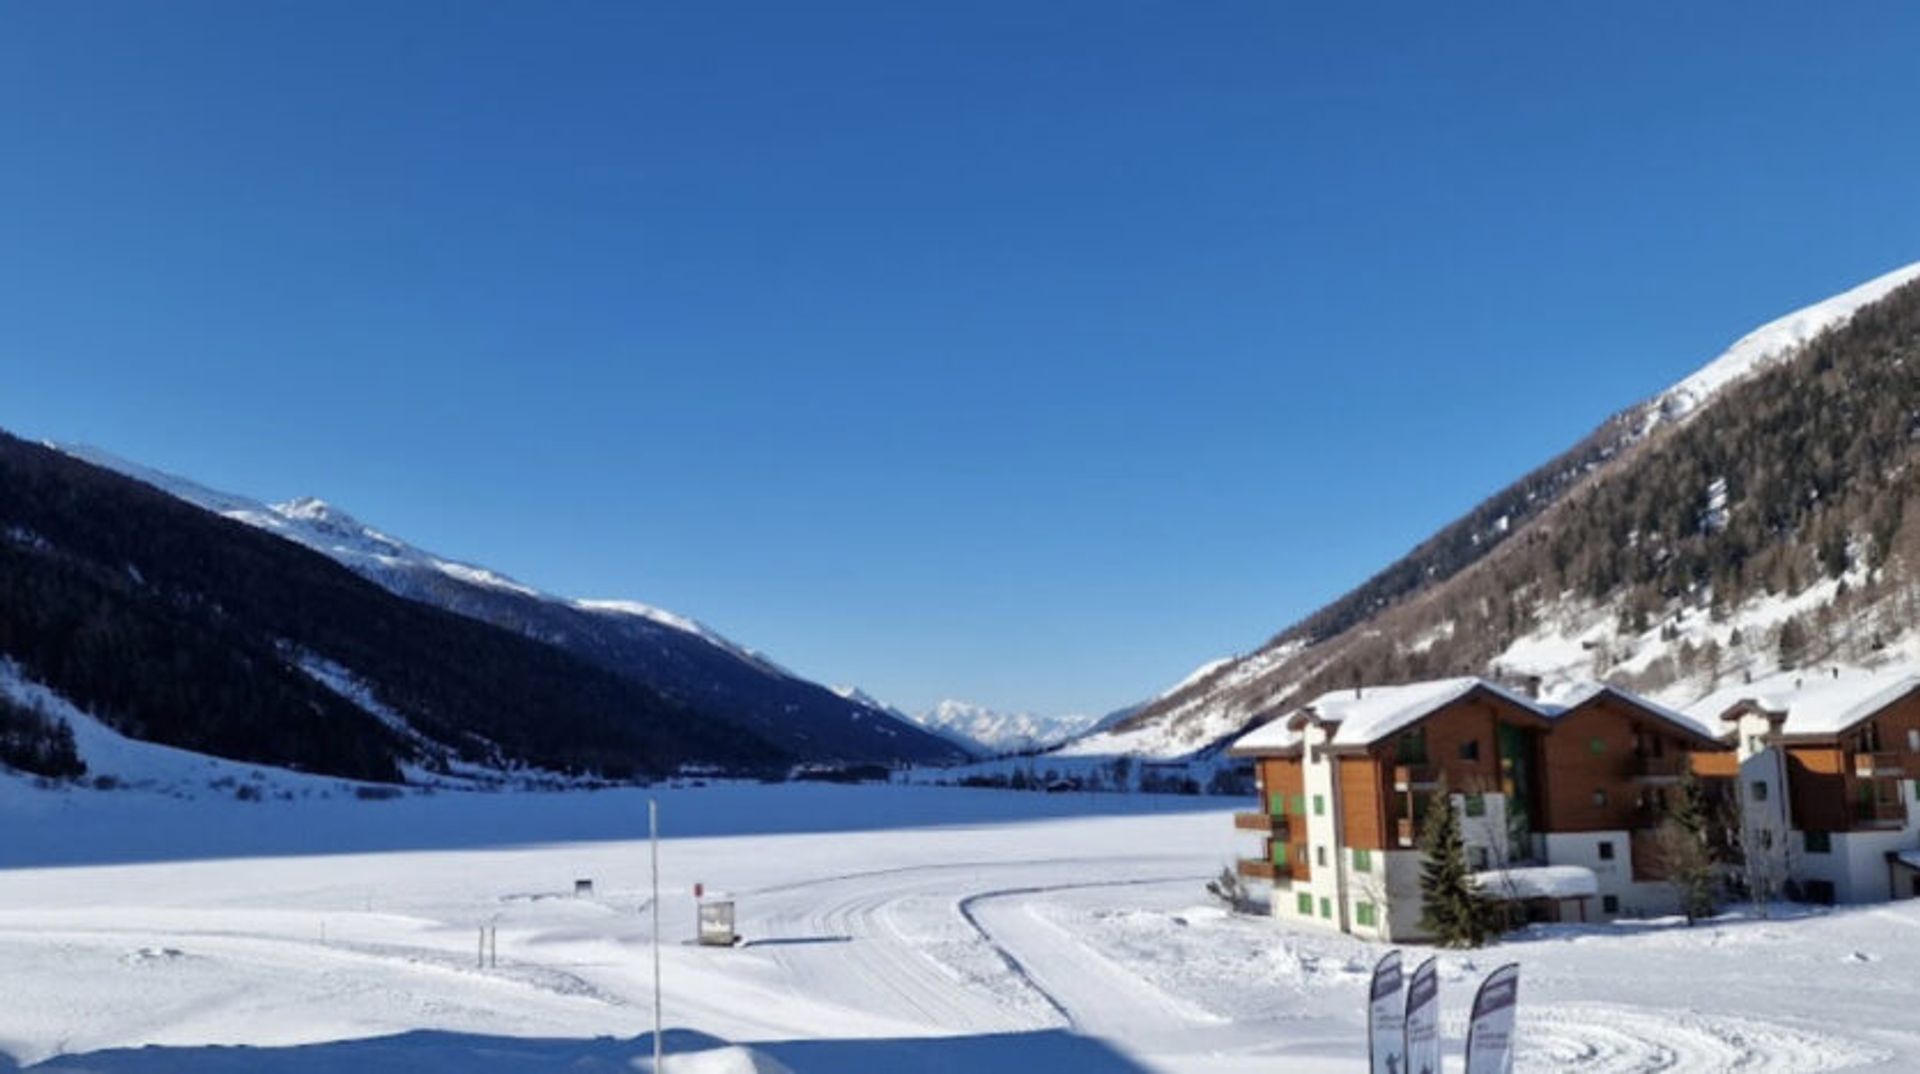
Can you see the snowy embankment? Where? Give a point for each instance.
(887, 929)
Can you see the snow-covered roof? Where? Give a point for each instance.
(1365, 716)
(1539, 882)
(1588, 691)
(1814, 704)
(1909, 858)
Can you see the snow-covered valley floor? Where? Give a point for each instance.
(888, 929)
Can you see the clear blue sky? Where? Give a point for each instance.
(1023, 352)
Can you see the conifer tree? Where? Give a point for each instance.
(1686, 849)
(1453, 908)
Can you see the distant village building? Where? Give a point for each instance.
(1829, 772)
(1558, 803)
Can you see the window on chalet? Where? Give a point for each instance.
(1819, 842)
(1280, 854)
(1600, 799)
(1299, 805)
(1476, 805)
(1606, 850)
(1277, 804)
(1363, 914)
(1610, 904)
(1326, 908)
(1913, 740)
(1363, 861)
(1759, 789)
(1478, 859)
(1320, 856)
(1319, 805)
(1869, 739)
(1470, 750)
(1412, 747)
(1597, 745)
(1304, 903)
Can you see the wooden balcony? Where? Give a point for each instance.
(1415, 777)
(1883, 765)
(1256, 869)
(1666, 768)
(1880, 814)
(1262, 822)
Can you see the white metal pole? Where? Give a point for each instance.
(653, 836)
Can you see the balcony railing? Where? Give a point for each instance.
(1410, 777)
(1879, 766)
(1262, 822)
(1659, 769)
(1880, 814)
(1257, 869)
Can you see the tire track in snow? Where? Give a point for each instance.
(968, 907)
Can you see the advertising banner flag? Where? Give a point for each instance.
(1387, 1018)
(1423, 1021)
(1490, 1029)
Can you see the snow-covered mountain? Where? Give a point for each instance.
(1770, 342)
(671, 653)
(1733, 522)
(990, 731)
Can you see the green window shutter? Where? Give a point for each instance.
(1319, 805)
(1299, 805)
(1363, 861)
(1280, 854)
(1277, 804)
(1476, 805)
(1304, 904)
(1363, 914)
(1326, 908)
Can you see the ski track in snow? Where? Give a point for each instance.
(1596, 1038)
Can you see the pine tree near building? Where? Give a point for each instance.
(1686, 850)
(1453, 908)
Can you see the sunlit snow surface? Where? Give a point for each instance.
(888, 929)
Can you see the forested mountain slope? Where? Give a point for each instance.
(666, 653)
(174, 625)
(1755, 516)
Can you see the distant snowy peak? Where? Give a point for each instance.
(330, 531)
(1771, 341)
(993, 731)
(676, 621)
(860, 697)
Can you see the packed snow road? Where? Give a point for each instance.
(886, 929)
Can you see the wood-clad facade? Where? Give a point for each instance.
(1342, 802)
(1852, 779)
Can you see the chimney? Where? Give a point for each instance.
(1836, 671)
(1356, 683)
(1533, 687)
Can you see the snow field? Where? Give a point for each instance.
(1031, 932)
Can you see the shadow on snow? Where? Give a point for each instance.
(88, 827)
(436, 1052)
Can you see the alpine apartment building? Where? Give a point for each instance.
(1558, 803)
(1829, 777)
